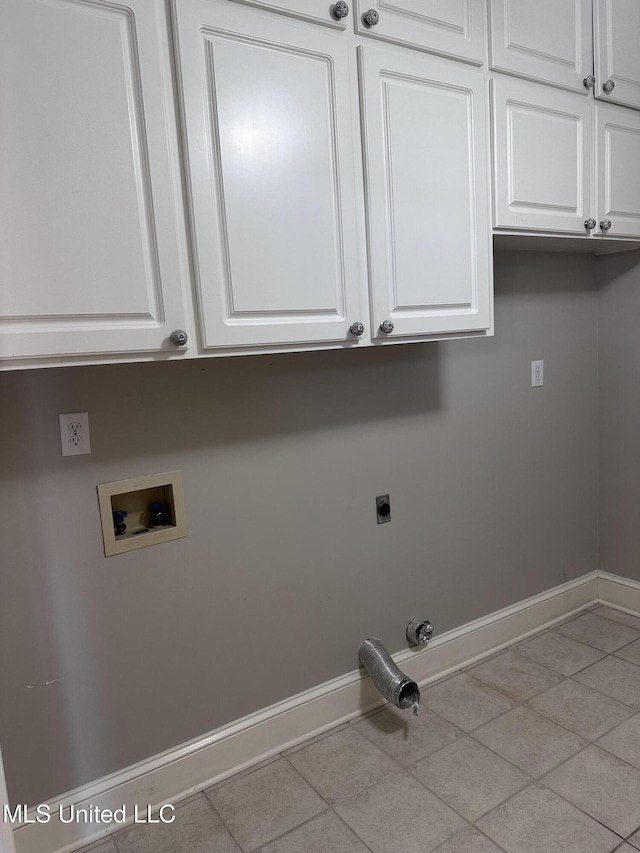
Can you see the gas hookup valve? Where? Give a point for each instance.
(419, 632)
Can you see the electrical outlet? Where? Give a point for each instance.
(74, 434)
(537, 373)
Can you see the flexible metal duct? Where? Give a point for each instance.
(394, 685)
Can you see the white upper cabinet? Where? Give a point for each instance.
(90, 255)
(570, 43)
(265, 149)
(453, 28)
(542, 157)
(270, 131)
(617, 53)
(546, 40)
(426, 167)
(563, 164)
(618, 157)
(566, 164)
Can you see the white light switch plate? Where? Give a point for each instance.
(74, 434)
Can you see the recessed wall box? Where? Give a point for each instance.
(150, 509)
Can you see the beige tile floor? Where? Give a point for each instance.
(535, 749)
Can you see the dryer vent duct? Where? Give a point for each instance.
(394, 685)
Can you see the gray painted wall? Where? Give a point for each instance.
(284, 571)
(618, 278)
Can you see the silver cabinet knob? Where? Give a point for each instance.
(386, 326)
(370, 18)
(339, 10)
(589, 224)
(608, 87)
(605, 225)
(589, 82)
(356, 329)
(178, 337)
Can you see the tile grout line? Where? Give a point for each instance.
(223, 821)
(613, 622)
(564, 674)
(616, 621)
(564, 800)
(395, 772)
(598, 737)
(530, 781)
(306, 782)
(351, 829)
(580, 809)
(262, 848)
(444, 746)
(560, 763)
(407, 772)
(597, 689)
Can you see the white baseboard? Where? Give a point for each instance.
(199, 763)
(622, 593)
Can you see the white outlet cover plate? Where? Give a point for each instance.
(537, 374)
(74, 434)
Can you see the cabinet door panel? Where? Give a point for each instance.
(542, 157)
(271, 156)
(427, 197)
(452, 28)
(548, 40)
(617, 40)
(89, 255)
(618, 173)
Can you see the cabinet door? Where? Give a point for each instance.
(426, 168)
(617, 54)
(452, 28)
(547, 40)
(90, 260)
(618, 147)
(270, 139)
(542, 157)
